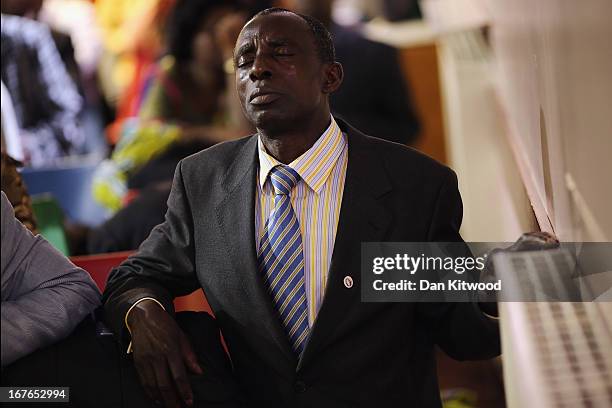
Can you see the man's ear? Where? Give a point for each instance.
(333, 75)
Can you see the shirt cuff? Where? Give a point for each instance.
(125, 320)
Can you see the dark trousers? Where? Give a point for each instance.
(100, 373)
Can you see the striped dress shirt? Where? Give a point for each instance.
(316, 200)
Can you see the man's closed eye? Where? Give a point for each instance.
(244, 61)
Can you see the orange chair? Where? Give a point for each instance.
(99, 267)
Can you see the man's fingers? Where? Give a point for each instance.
(181, 380)
(148, 381)
(166, 386)
(164, 355)
(189, 356)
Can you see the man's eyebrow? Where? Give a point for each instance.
(244, 48)
(273, 42)
(277, 42)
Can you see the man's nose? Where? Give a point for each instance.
(260, 68)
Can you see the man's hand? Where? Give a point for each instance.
(530, 241)
(534, 241)
(162, 355)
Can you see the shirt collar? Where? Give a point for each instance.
(315, 165)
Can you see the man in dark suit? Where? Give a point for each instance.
(270, 226)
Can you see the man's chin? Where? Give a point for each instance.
(269, 120)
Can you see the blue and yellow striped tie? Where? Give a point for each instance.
(281, 259)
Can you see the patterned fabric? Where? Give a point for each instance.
(316, 202)
(17, 192)
(141, 141)
(160, 107)
(45, 99)
(281, 259)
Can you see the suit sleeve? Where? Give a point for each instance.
(448, 212)
(44, 295)
(460, 329)
(163, 268)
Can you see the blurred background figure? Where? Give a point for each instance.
(16, 192)
(132, 37)
(185, 102)
(398, 10)
(31, 9)
(45, 98)
(11, 139)
(374, 96)
(78, 38)
(77, 20)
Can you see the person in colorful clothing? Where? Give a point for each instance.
(184, 104)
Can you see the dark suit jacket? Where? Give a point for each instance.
(359, 354)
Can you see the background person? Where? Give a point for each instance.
(46, 100)
(375, 96)
(184, 103)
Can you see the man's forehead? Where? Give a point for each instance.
(284, 26)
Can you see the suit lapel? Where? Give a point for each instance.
(362, 219)
(236, 217)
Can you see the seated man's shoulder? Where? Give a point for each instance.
(219, 157)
